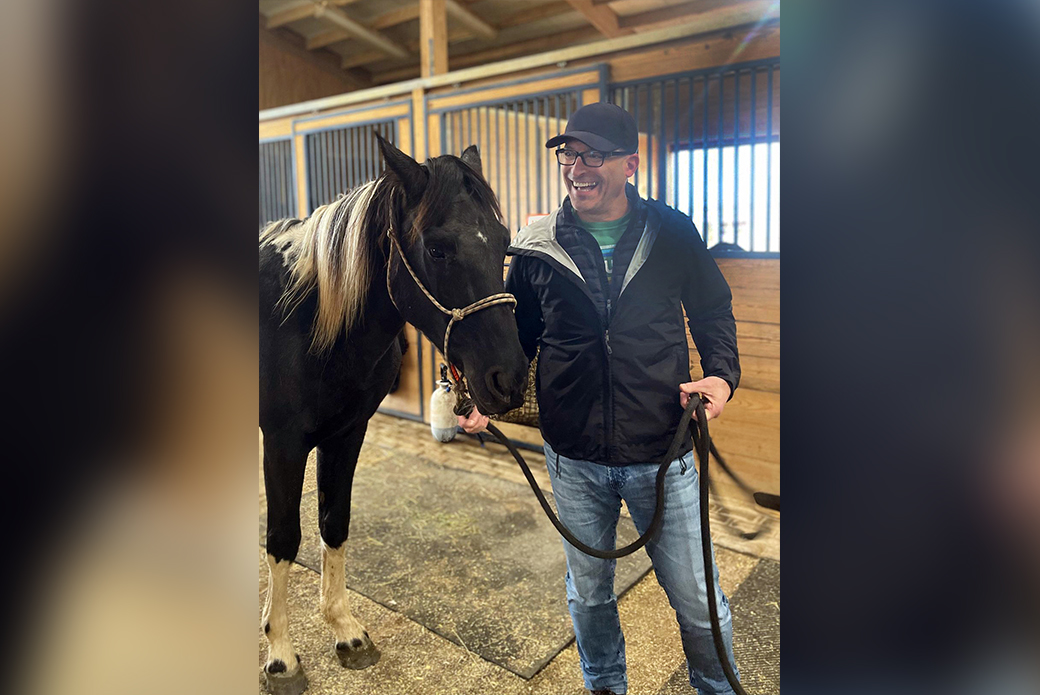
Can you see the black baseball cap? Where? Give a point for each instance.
(602, 126)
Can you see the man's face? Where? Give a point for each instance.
(598, 193)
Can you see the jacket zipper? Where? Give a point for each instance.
(608, 406)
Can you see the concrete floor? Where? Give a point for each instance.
(415, 660)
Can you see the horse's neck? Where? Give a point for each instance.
(379, 315)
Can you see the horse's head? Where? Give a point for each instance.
(450, 230)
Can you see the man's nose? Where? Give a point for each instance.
(578, 167)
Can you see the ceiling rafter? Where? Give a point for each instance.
(573, 36)
(667, 14)
(348, 27)
(290, 15)
(361, 32)
(375, 47)
(525, 16)
(603, 18)
(455, 35)
(468, 19)
(383, 21)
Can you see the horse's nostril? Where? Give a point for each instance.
(498, 383)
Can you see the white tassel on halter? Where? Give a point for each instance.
(443, 422)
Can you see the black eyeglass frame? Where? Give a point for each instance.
(605, 155)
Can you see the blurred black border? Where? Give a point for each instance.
(910, 205)
(909, 182)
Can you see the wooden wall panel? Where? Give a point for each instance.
(575, 80)
(275, 128)
(717, 48)
(344, 120)
(287, 77)
(407, 397)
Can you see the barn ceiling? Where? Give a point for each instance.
(377, 41)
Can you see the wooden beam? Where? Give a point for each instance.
(383, 21)
(395, 17)
(542, 43)
(433, 38)
(670, 14)
(290, 15)
(362, 33)
(363, 58)
(581, 34)
(752, 12)
(551, 9)
(603, 18)
(327, 38)
(465, 17)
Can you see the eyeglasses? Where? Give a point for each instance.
(590, 158)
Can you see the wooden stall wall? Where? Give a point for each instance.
(290, 74)
(748, 433)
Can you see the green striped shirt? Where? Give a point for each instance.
(606, 235)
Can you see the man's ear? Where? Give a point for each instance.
(631, 164)
(471, 156)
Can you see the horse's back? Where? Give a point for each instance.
(283, 345)
(302, 391)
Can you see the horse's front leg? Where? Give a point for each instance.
(284, 464)
(337, 460)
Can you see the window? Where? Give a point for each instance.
(749, 216)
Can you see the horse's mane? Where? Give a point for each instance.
(336, 249)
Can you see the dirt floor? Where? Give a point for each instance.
(416, 659)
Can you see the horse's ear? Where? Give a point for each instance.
(471, 156)
(408, 171)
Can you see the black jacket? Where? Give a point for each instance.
(613, 353)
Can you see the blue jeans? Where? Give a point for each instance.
(588, 497)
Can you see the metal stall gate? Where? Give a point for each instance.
(510, 134)
(342, 158)
(509, 123)
(277, 182)
(711, 143)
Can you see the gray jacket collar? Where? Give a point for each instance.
(539, 238)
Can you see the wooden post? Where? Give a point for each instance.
(433, 37)
(302, 209)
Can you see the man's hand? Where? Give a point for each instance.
(474, 423)
(714, 392)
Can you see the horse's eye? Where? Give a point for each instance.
(436, 253)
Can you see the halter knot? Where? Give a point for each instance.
(457, 314)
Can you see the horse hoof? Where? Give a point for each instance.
(281, 683)
(358, 655)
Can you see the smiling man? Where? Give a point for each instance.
(601, 284)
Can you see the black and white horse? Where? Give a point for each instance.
(335, 291)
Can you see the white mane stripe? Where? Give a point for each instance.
(328, 251)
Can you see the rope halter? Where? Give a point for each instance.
(455, 314)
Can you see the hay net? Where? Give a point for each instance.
(526, 414)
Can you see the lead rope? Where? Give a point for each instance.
(455, 314)
(703, 448)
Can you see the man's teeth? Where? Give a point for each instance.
(583, 186)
